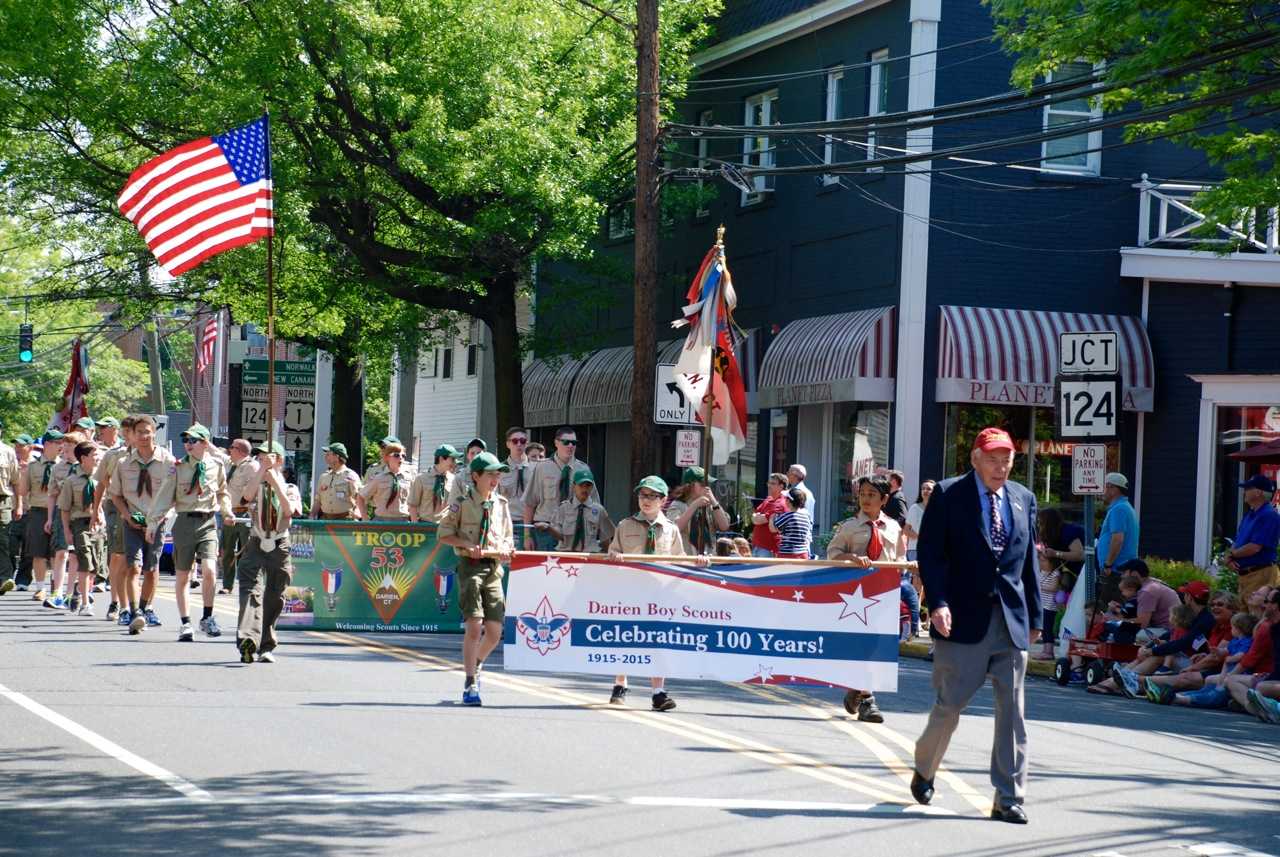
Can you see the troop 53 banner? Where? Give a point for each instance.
(752, 622)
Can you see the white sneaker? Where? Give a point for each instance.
(185, 634)
(266, 658)
(85, 610)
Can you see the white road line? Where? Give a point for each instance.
(507, 799)
(1222, 849)
(112, 749)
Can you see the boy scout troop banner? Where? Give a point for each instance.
(751, 622)
(370, 576)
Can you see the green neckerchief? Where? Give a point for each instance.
(487, 506)
(197, 478)
(437, 490)
(564, 482)
(520, 478)
(144, 480)
(394, 499)
(231, 474)
(270, 505)
(651, 537)
(89, 488)
(700, 532)
(48, 471)
(580, 529)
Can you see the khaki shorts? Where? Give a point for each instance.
(115, 532)
(1253, 579)
(38, 544)
(195, 539)
(58, 538)
(85, 543)
(480, 590)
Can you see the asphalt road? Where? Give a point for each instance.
(357, 744)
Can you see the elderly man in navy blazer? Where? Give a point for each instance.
(977, 555)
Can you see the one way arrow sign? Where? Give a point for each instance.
(670, 407)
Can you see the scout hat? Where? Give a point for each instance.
(338, 449)
(476, 441)
(275, 447)
(197, 431)
(108, 422)
(23, 440)
(993, 438)
(390, 439)
(653, 483)
(86, 423)
(694, 474)
(51, 435)
(583, 475)
(444, 450)
(487, 462)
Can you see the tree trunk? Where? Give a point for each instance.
(348, 408)
(508, 381)
(646, 249)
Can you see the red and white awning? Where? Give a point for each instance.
(1010, 356)
(847, 357)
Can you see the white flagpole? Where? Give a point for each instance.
(219, 349)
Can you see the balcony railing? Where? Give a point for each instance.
(1166, 218)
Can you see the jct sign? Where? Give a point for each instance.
(1088, 468)
(1089, 352)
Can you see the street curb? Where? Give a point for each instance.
(919, 649)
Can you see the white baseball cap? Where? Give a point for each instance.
(1117, 479)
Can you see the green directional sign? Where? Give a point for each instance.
(299, 373)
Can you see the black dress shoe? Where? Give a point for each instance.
(922, 789)
(1014, 814)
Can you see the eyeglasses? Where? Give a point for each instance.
(567, 441)
(518, 441)
(649, 495)
(190, 441)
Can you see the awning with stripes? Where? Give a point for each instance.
(1010, 356)
(546, 390)
(847, 357)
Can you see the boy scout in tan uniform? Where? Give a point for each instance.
(337, 488)
(62, 468)
(10, 473)
(133, 488)
(235, 533)
(550, 484)
(380, 466)
(110, 516)
(35, 496)
(479, 521)
(195, 489)
(265, 568)
(516, 480)
(80, 529)
(647, 532)
(699, 515)
(434, 490)
(389, 489)
(581, 523)
(22, 448)
(870, 536)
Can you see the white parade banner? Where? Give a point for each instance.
(752, 622)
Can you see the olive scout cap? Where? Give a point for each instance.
(390, 439)
(478, 442)
(24, 440)
(274, 446)
(86, 423)
(338, 449)
(694, 474)
(653, 483)
(582, 476)
(197, 431)
(444, 450)
(108, 422)
(487, 462)
(52, 435)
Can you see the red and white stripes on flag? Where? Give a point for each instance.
(203, 198)
(208, 339)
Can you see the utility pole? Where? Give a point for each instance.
(153, 359)
(646, 239)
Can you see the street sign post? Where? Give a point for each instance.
(670, 407)
(1088, 467)
(688, 448)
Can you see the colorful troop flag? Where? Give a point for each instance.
(73, 405)
(707, 370)
(204, 197)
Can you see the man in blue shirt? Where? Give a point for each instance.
(1118, 538)
(1253, 554)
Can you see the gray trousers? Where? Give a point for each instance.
(959, 671)
(7, 568)
(263, 578)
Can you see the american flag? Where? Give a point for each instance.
(203, 197)
(204, 356)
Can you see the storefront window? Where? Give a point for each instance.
(1041, 463)
(860, 447)
(736, 481)
(1238, 428)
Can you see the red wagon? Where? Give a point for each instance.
(1098, 657)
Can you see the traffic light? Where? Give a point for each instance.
(26, 344)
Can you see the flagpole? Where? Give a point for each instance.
(271, 302)
(709, 399)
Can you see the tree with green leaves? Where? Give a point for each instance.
(1136, 42)
(426, 153)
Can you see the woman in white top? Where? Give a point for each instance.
(911, 530)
